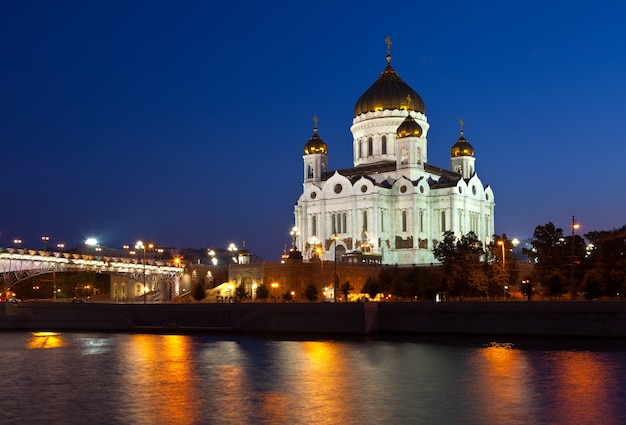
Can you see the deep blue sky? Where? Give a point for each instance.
(184, 122)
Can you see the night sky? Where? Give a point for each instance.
(183, 122)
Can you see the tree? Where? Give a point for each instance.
(462, 264)
(551, 258)
(197, 291)
(310, 292)
(371, 287)
(262, 292)
(240, 292)
(345, 289)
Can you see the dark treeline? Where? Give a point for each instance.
(561, 264)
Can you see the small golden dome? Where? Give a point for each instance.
(244, 253)
(462, 147)
(409, 128)
(315, 145)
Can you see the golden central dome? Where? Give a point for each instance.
(388, 92)
(462, 147)
(315, 145)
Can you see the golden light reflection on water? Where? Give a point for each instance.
(582, 388)
(576, 384)
(45, 340)
(323, 386)
(161, 378)
(504, 380)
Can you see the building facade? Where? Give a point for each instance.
(392, 206)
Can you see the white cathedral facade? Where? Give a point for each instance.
(392, 206)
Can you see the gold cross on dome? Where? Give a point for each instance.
(461, 122)
(408, 102)
(315, 120)
(388, 41)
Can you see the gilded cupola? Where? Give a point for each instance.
(315, 143)
(462, 147)
(389, 91)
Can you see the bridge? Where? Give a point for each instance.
(130, 276)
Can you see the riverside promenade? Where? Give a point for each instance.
(588, 319)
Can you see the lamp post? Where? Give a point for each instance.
(575, 226)
(45, 240)
(17, 242)
(295, 232)
(233, 250)
(336, 238)
(501, 243)
(274, 286)
(141, 245)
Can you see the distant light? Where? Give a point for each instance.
(91, 241)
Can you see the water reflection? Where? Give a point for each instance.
(582, 387)
(45, 340)
(175, 379)
(505, 383)
(159, 379)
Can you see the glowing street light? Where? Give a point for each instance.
(17, 242)
(274, 287)
(233, 249)
(45, 240)
(575, 226)
(141, 245)
(501, 243)
(295, 232)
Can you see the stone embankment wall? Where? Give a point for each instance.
(576, 319)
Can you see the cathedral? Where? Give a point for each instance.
(392, 206)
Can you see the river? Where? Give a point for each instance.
(119, 378)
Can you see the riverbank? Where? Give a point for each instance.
(601, 319)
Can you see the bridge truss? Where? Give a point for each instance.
(15, 267)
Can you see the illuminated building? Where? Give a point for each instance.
(392, 206)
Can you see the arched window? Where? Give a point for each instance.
(421, 220)
(404, 220)
(360, 149)
(345, 223)
(443, 221)
(370, 147)
(323, 167)
(309, 171)
(365, 220)
(333, 218)
(313, 225)
(383, 145)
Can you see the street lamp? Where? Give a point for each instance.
(295, 232)
(141, 245)
(575, 226)
(274, 286)
(45, 240)
(17, 242)
(233, 249)
(336, 238)
(501, 243)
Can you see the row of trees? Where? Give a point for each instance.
(561, 264)
(566, 264)
(468, 269)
